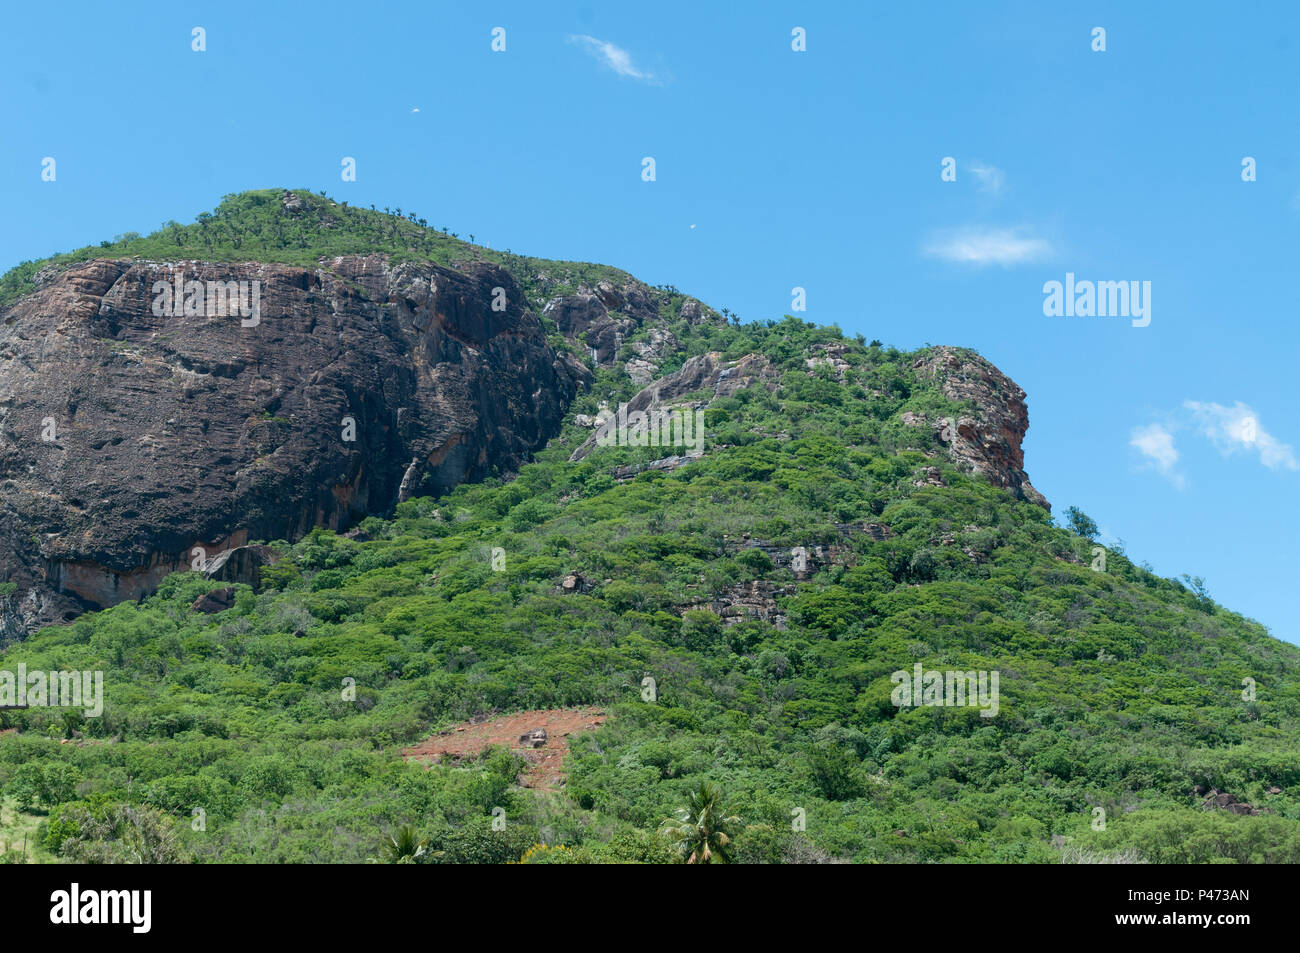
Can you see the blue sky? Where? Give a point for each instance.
(819, 169)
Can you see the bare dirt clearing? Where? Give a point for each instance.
(470, 739)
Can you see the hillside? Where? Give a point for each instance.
(737, 614)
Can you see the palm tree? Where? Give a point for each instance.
(702, 831)
(404, 847)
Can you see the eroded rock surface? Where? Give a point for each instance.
(709, 373)
(987, 440)
(129, 437)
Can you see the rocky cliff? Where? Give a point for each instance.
(136, 438)
(988, 439)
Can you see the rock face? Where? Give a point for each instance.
(988, 439)
(133, 435)
(748, 600)
(241, 564)
(708, 372)
(600, 318)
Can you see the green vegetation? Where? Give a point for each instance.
(1080, 523)
(257, 226)
(406, 846)
(703, 832)
(1120, 690)
(19, 843)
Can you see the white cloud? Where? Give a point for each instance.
(1156, 444)
(1231, 430)
(988, 246)
(991, 179)
(1238, 428)
(615, 57)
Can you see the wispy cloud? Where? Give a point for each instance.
(1237, 428)
(1231, 430)
(614, 57)
(988, 246)
(990, 178)
(1156, 444)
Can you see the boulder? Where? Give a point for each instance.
(533, 739)
(218, 600)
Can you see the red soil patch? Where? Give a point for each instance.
(469, 740)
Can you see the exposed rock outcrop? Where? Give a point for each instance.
(601, 318)
(1222, 801)
(575, 583)
(828, 355)
(748, 600)
(663, 464)
(649, 354)
(708, 372)
(692, 311)
(988, 439)
(241, 564)
(132, 433)
(218, 600)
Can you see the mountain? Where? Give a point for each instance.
(151, 426)
(527, 522)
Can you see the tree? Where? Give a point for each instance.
(703, 831)
(119, 834)
(836, 771)
(46, 785)
(405, 847)
(1080, 523)
(1197, 585)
